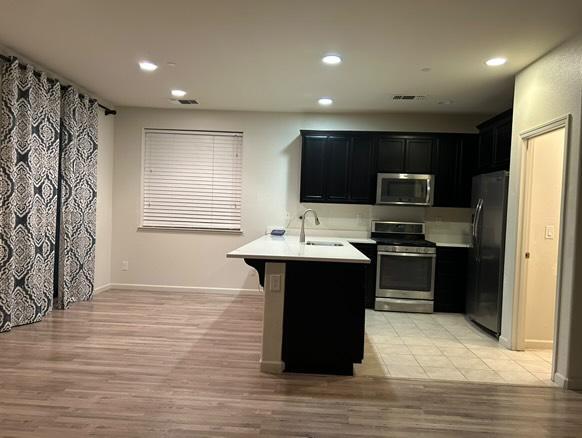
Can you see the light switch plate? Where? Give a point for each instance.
(549, 232)
(274, 282)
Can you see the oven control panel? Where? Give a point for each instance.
(406, 249)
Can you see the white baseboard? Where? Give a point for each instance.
(166, 288)
(272, 367)
(538, 344)
(505, 342)
(103, 288)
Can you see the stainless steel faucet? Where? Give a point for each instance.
(302, 234)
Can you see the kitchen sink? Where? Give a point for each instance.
(319, 243)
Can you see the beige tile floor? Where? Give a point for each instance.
(445, 347)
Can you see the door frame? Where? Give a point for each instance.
(518, 329)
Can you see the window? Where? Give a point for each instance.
(192, 180)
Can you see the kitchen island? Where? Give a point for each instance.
(314, 303)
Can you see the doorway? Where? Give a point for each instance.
(541, 223)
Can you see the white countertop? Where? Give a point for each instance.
(458, 241)
(288, 248)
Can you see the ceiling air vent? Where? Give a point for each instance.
(184, 101)
(407, 97)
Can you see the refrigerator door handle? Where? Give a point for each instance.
(476, 219)
(476, 226)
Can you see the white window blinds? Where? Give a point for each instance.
(192, 180)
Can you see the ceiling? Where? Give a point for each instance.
(265, 55)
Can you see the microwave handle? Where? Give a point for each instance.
(428, 192)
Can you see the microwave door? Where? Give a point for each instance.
(404, 189)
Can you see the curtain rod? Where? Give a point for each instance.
(108, 111)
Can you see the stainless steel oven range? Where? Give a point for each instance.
(405, 267)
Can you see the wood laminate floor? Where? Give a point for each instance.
(149, 364)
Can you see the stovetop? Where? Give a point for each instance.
(403, 240)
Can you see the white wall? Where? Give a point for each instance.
(550, 88)
(271, 162)
(104, 200)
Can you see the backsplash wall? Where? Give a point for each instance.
(440, 222)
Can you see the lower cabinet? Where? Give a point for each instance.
(370, 250)
(450, 279)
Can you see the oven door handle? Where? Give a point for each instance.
(406, 254)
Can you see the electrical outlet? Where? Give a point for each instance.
(125, 265)
(274, 282)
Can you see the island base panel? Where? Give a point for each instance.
(324, 314)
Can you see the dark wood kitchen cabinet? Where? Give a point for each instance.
(453, 169)
(342, 166)
(450, 279)
(362, 172)
(312, 169)
(494, 149)
(405, 154)
(337, 168)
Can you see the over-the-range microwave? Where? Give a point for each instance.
(405, 189)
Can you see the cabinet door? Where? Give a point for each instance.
(313, 169)
(450, 280)
(446, 171)
(391, 154)
(362, 178)
(418, 155)
(337, 169)
(502, 149)
(466, 160)
(485, 152)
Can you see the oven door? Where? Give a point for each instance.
(405, 275)
(404, 189)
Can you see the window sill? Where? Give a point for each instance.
(189, 230)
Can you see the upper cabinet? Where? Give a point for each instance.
(404, 154)
(313, 168)
(362, 171)
(342, 167)
(453, 169)
(337, 168)
(494, 147)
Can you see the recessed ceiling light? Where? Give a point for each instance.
(178, 93)
(494, 62)
(325, 101)
(147, 66)
(331, 59)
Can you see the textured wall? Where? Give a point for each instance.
(104, 200)
(550, 88)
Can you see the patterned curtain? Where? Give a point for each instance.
(78, 199)
(29, 155)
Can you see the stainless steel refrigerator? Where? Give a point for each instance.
(486, 257)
